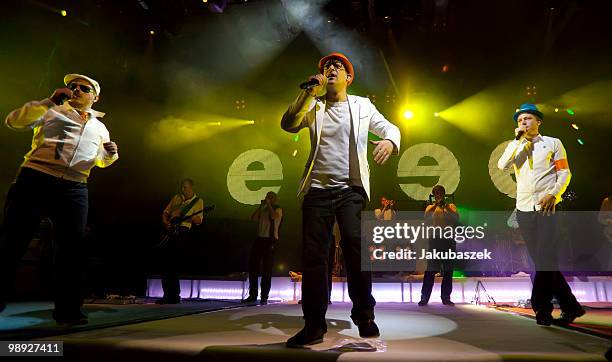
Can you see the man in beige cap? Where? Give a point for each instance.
(69, 140)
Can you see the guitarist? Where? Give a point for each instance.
(180, 207)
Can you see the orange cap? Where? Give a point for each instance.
(342, 58)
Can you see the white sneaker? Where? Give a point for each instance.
(520, 274)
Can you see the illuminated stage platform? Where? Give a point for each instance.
(502, 290)
(408, 333)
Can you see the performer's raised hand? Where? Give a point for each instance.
(320, 89)
(60, 95)
(520, 131)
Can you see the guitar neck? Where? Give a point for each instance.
(187, 217)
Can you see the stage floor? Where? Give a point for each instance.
(408, 333)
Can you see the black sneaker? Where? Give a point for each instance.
(263, 302)
(250, 299)
(422, 303)
(568, 317)
(368, 329)
(306, 337)
(168, 301)
(448, 302)
(544, 318)
(68, 320)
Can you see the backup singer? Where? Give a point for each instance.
(386, 210)
(442, 214)
(268, 216)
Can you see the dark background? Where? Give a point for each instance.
(161, 91)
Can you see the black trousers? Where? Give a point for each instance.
(445, 266)
(539, 233)
(330, 268)
(171, 258)
(262, 256)
(319, 209)
(34, 195)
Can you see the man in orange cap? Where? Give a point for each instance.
(336, 185)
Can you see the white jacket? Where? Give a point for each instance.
(64, 145)
(365, 117)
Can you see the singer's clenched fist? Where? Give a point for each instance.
(521, 128)
(60, 94)
(318, 90)
(110, 147)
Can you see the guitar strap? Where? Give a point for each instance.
(185, 209)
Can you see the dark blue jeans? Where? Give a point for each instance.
(34, 195)
(539, 233)
(319, 209)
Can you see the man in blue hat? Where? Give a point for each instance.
(542, 175)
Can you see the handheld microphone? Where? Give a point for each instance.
(519, 135)
(309, 84)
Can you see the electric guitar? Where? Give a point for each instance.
(175, 223)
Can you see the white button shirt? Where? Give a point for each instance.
(540, 168)
(64, 144)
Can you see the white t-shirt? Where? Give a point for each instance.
(336, 164)
(265, 222)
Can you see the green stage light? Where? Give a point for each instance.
(458, 274)
(296, 138)
(580, 141)
(570, 111)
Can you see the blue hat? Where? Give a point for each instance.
(528, 108)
